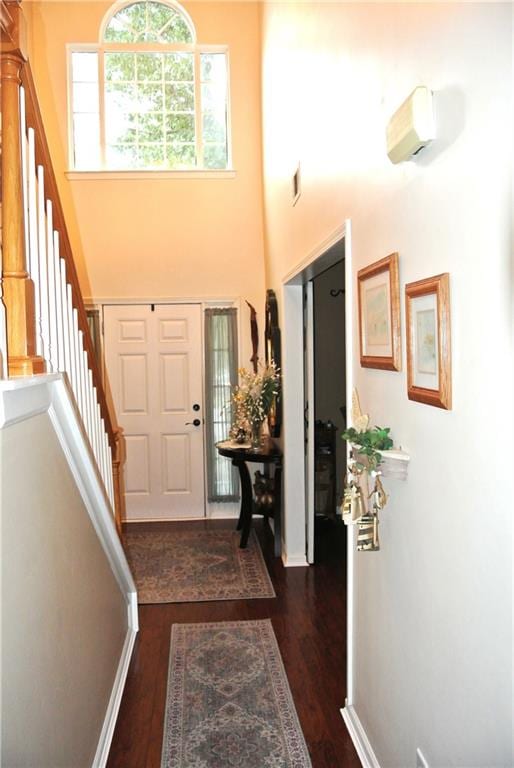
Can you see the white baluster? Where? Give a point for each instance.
(66, 322)
(77, 353)
(100, 439)
(103, 457)
(33, 236)
(52, 309)
(69, 327)
(92, 407)
(85, 376)
(98, 427)
(80, 377)
(103, 452)
(110, 478)
(43, 271)
(108, 469)
(60, 309)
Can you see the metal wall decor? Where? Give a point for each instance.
(360, 507)
(273, 352)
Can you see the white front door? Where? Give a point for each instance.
(153, 356)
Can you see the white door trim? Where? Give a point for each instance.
(351, 538)
(310, 395)
(294, 454)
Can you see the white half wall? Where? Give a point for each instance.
(68, 600)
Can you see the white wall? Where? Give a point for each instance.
(64, 618)
(433, 664)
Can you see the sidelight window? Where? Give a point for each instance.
(221, 365)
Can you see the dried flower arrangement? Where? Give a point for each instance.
(252, 400)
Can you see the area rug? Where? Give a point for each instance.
(193, 565)
(229, 704)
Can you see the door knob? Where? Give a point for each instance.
(195, 422)
(196, 407)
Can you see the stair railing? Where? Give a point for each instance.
(43, 310)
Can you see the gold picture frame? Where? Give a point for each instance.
(427, 306)
(379, 314)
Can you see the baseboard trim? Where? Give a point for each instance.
(223, 515)
(294, 561)
(360, 740)
(106, 734)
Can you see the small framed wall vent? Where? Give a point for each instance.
(412, 127)
(297, 186)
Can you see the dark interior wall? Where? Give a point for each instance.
(329, 355)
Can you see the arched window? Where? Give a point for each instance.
(148, 97)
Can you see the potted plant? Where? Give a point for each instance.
(369, 444)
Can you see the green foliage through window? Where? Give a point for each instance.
(148, 22)
(163, 108)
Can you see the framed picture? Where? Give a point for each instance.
(379, 314)
(428, 341)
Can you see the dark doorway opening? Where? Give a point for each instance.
(329, 411)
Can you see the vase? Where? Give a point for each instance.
(256, 435)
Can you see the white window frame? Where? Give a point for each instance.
(99, 49)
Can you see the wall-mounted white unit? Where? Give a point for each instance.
(412, 126)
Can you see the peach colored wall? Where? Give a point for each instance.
(162, 237)
(432, 631)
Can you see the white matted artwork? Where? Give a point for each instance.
(379, 314)
(428, 341)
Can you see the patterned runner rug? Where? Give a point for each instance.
(194, 565)
(229, 704)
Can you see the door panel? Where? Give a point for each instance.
(176, 463)
(154, 364)
(174, 383)
(133, 384)
(137, 466)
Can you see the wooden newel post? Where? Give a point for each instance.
(18, 288)
(118, 461)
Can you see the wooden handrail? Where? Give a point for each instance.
(7, 24)
(34, 119)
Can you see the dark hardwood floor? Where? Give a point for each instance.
(308, 617)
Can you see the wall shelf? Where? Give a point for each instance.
(394, 464)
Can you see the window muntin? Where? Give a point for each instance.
(145, 106)
(150, 110)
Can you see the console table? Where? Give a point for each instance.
(269, 455)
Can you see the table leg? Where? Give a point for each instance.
(245, 515)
